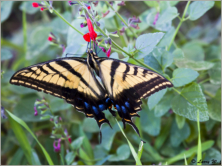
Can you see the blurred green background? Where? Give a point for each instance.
(167, 134)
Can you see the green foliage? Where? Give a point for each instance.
(179, 40)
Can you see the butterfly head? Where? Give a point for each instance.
(92, 59)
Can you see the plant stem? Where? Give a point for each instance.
(204, 81)
(24, 30)
(121, 19)
(209, 94)
(178, 26)
(118, 27)
(58, 14)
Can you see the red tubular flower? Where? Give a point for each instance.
(92, 34)
(50, 38)
(88, 7)
(35, 4)
(108, 52)
(69, 139)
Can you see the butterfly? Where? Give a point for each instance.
(73, 79)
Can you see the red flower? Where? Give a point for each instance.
(92, 34)
(57, 147)
(50, 38)
(41, 8)
(35, 4)
(69, 139)
(88, 7)
(108, 52)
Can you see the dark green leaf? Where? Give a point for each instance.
(145, 43)
(6, 8)
(189, 101)
(123, 153)
(213, 52)
(17, 157)
(199, 8)
(215, 73)
(183, 76)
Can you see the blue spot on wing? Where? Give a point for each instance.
(102, 107)
(124, 109)
(127, 104)
(95, 110)
(86, 105)
(118, 108)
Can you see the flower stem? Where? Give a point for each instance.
(178, 26)
(24, 29)
(118, 27)
(58, 14)
(121, 19)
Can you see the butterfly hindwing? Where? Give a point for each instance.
(127, 84)
(69, 79)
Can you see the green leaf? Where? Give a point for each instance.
(6, 8)
(180, 121)
(23, 141)
(219, 139)
(214, 106)
(35, 158)
(189, 101)
(210, 123)
(90, 125)
(195, 32)
(108, 136)
(213, 156)
(150, 122)
(25, 108)
(164, 105)
(183, 76)
(213, 52)
(38, 41)
(178, 135)
(178, 53)
(76, 144)
(206, 145)
(193, 51)
(199, 8)
(5, 54)
(145, 43)
(195, 65)
(70, 157)
(215, 73)
(167, 15)
(17, 157)
(159, 59)
(58, 24)
(185, 160)
(28, 8)
(87, 160)
(140, 151)
(155, 98)
(123, 153)
(164, 42)
(151, 3)
(138, 162)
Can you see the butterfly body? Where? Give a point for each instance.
(73, 79)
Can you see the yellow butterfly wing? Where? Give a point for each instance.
(127, 84)
(69, 79)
